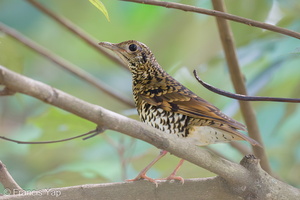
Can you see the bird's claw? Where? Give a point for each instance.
(173, 177)
(144, 177)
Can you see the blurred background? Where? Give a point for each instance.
(181, 42)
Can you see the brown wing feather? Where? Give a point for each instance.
(196, 107)
(189, 104)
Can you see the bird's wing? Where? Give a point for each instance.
(187, 103)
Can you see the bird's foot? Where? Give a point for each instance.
(143, 177)
(173, 177)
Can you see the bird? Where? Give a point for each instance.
(164, 103)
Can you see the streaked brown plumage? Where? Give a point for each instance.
(165, 104)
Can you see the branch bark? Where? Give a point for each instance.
(247, 180)
(204, 188)
(265, 187)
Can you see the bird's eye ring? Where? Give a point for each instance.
(132, 47)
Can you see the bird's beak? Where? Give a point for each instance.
(108, 45)
(115, 48)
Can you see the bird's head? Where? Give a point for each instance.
(135, 54)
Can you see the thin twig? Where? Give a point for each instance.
(239, 85)
(95, 132)
(65, 64)
(77, 31)
(223, 15)
(243, 97)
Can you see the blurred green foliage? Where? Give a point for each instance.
(181, 41)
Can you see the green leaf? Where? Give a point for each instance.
(98, 4)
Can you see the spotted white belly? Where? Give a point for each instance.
(168, 122)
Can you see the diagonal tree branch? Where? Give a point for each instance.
(7, 181)
(77, 31)
(65, 64)
(215, 13)
(238, 83)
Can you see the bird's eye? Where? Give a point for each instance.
(132, 47)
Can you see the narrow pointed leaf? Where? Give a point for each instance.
(98, 4)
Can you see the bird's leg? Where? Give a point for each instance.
(173, 175)
(142, 174)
